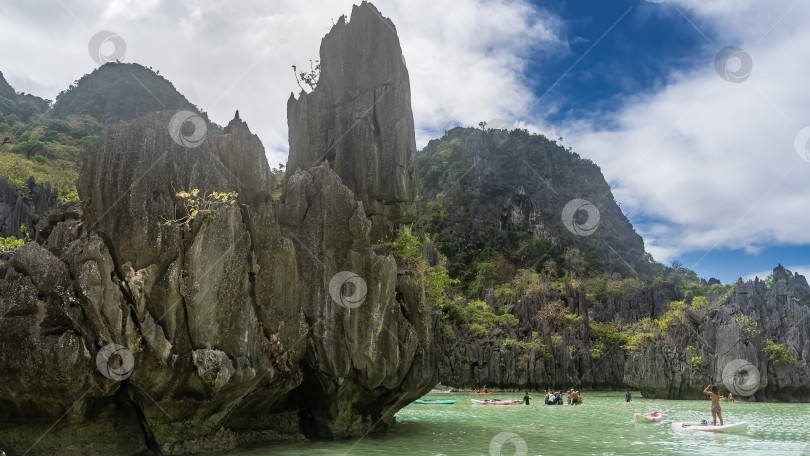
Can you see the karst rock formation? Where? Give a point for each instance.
(142, 322)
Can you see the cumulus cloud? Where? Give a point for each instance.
(699, 163)
(465, 67)
(704, 163)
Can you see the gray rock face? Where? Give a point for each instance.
(559, 363)
(209, 310)
(369, 349)
(730, 353)
(359, 118)
(227, 329)
(24, 210)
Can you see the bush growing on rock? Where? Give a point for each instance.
(778, 354)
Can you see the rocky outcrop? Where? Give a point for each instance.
(166, 315)
(725, 344)
(359, 118)
(497, 183)
(559, 356)
(207, 309)
(24, 210)
(369, 348)
(350, 182)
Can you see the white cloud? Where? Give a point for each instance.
(225, 57)
(702, 163)
(714, 161)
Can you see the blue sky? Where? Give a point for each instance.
(712, 173)
(622, 54)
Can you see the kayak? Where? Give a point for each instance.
(435, 401)
(695, 426)
(496, 401)
(473, 393)
(649, 417)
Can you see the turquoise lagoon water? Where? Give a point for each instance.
(603, 425)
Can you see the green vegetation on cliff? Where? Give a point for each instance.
(119, 91)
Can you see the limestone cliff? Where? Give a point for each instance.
(24, 210)
(369, 350)
(359, 118)
(178, 309)
(350, 182)
(728, 344)
(208, 310)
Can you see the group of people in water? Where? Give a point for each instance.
(556, 397)
(575, 398)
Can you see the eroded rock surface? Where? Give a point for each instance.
(369, 349)
(359, 116)
(141, 323)
(209, 309)
(724, 345)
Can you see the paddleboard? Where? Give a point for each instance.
(696, 426)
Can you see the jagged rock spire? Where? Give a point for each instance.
(359, 118)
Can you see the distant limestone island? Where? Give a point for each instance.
(156, 301)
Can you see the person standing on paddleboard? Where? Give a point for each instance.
(714, 395)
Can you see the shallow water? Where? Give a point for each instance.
(603, 425)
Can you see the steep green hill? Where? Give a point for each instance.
(535, 292)
(18, 107)
(119, 91)
(40, 146)
(502, 195)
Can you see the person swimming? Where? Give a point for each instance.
(627, 396)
